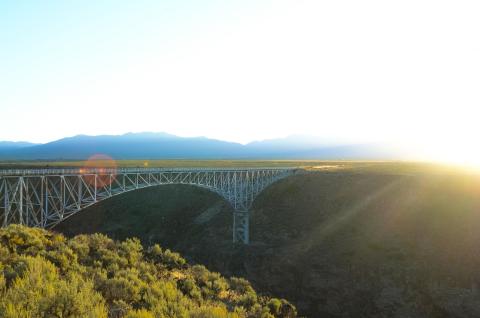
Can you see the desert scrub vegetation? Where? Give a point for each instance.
(44, 274)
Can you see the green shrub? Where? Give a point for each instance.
(188, 287)
(43, 274)
(142, 313)
(40, 292)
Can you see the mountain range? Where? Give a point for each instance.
(151, 145)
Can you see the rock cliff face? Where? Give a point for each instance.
(337, 244)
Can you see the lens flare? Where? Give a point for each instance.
(103, 169)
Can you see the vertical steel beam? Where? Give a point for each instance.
(95, 188)
(5, 203)
(46, 200)
(79, 191)
(20, 203)
(19, 197)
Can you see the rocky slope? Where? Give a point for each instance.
(368, 243)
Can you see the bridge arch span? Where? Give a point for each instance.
(45, 197)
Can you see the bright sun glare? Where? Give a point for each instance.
(461, 153)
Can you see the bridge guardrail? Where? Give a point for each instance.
(77, 171)
(45, 197)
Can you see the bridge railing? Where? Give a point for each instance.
(77, 171)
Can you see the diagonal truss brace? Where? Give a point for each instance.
(45, 197)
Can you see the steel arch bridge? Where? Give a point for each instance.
(45, 197)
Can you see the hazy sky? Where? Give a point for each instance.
(242, 70)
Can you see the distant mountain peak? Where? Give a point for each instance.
(15, 144)
(161, 145)
(150, 134)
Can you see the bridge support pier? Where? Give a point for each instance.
(240, 227)
(45, 197)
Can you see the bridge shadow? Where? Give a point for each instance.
(167, 214)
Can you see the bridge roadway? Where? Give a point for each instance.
(45, 197)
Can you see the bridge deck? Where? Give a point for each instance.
(45, 197)
(78, 171)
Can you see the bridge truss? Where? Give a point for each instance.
(45, 197)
